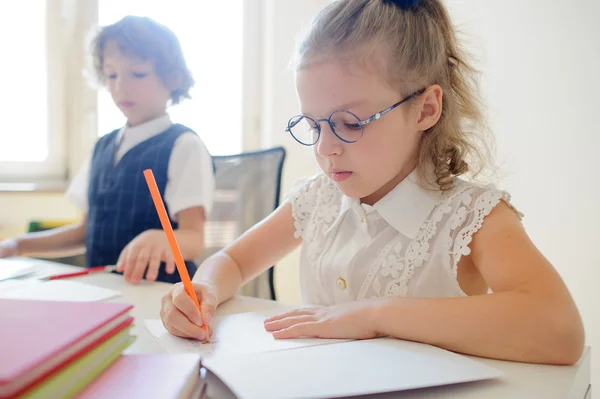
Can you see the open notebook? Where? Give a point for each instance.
(252, 364)
(236, 334)
(345, 369)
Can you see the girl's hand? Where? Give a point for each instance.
(352, 320)
(181, 316)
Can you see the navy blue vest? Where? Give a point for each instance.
(119, 203)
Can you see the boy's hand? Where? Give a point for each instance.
(146, 251)
(8, 248)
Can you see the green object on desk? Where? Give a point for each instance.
(42, 225)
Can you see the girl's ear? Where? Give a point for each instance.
(430, 105)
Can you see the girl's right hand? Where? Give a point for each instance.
(179, 313)
(8, 248)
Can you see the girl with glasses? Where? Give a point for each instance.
(397, 239)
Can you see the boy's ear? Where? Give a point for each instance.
(174, 81)
(430, 104)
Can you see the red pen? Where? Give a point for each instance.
(80, 272)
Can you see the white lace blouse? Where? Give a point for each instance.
(408, 244)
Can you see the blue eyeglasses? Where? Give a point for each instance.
(344, 124)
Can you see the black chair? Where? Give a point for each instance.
(248, 187)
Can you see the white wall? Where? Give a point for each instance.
(18, 209)
(540, 61)
(283, 21)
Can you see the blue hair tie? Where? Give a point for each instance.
(403, 4)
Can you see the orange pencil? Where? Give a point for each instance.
(166, 224)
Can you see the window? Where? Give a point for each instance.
(30, 144)
(211, 36)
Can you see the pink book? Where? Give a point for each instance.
(160, 375)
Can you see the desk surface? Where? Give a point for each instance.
(520, 380)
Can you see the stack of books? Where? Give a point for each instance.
(52, 349)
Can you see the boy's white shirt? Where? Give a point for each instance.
(407, 244)
(190, 181)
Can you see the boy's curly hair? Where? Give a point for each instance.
(146, 39)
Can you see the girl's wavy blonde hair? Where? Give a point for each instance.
(417, 47)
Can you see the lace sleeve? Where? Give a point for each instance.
(303, 197)
(475, 205)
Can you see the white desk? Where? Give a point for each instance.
(525, 381)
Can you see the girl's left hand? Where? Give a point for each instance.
(351, 320)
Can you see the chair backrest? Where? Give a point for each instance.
(248, 187)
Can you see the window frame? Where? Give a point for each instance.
(71, 138)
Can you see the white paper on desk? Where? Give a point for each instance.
(15, 268)
(235, 334)
(345, 369)
(59, 290)
(18, 283)
(20, 268)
